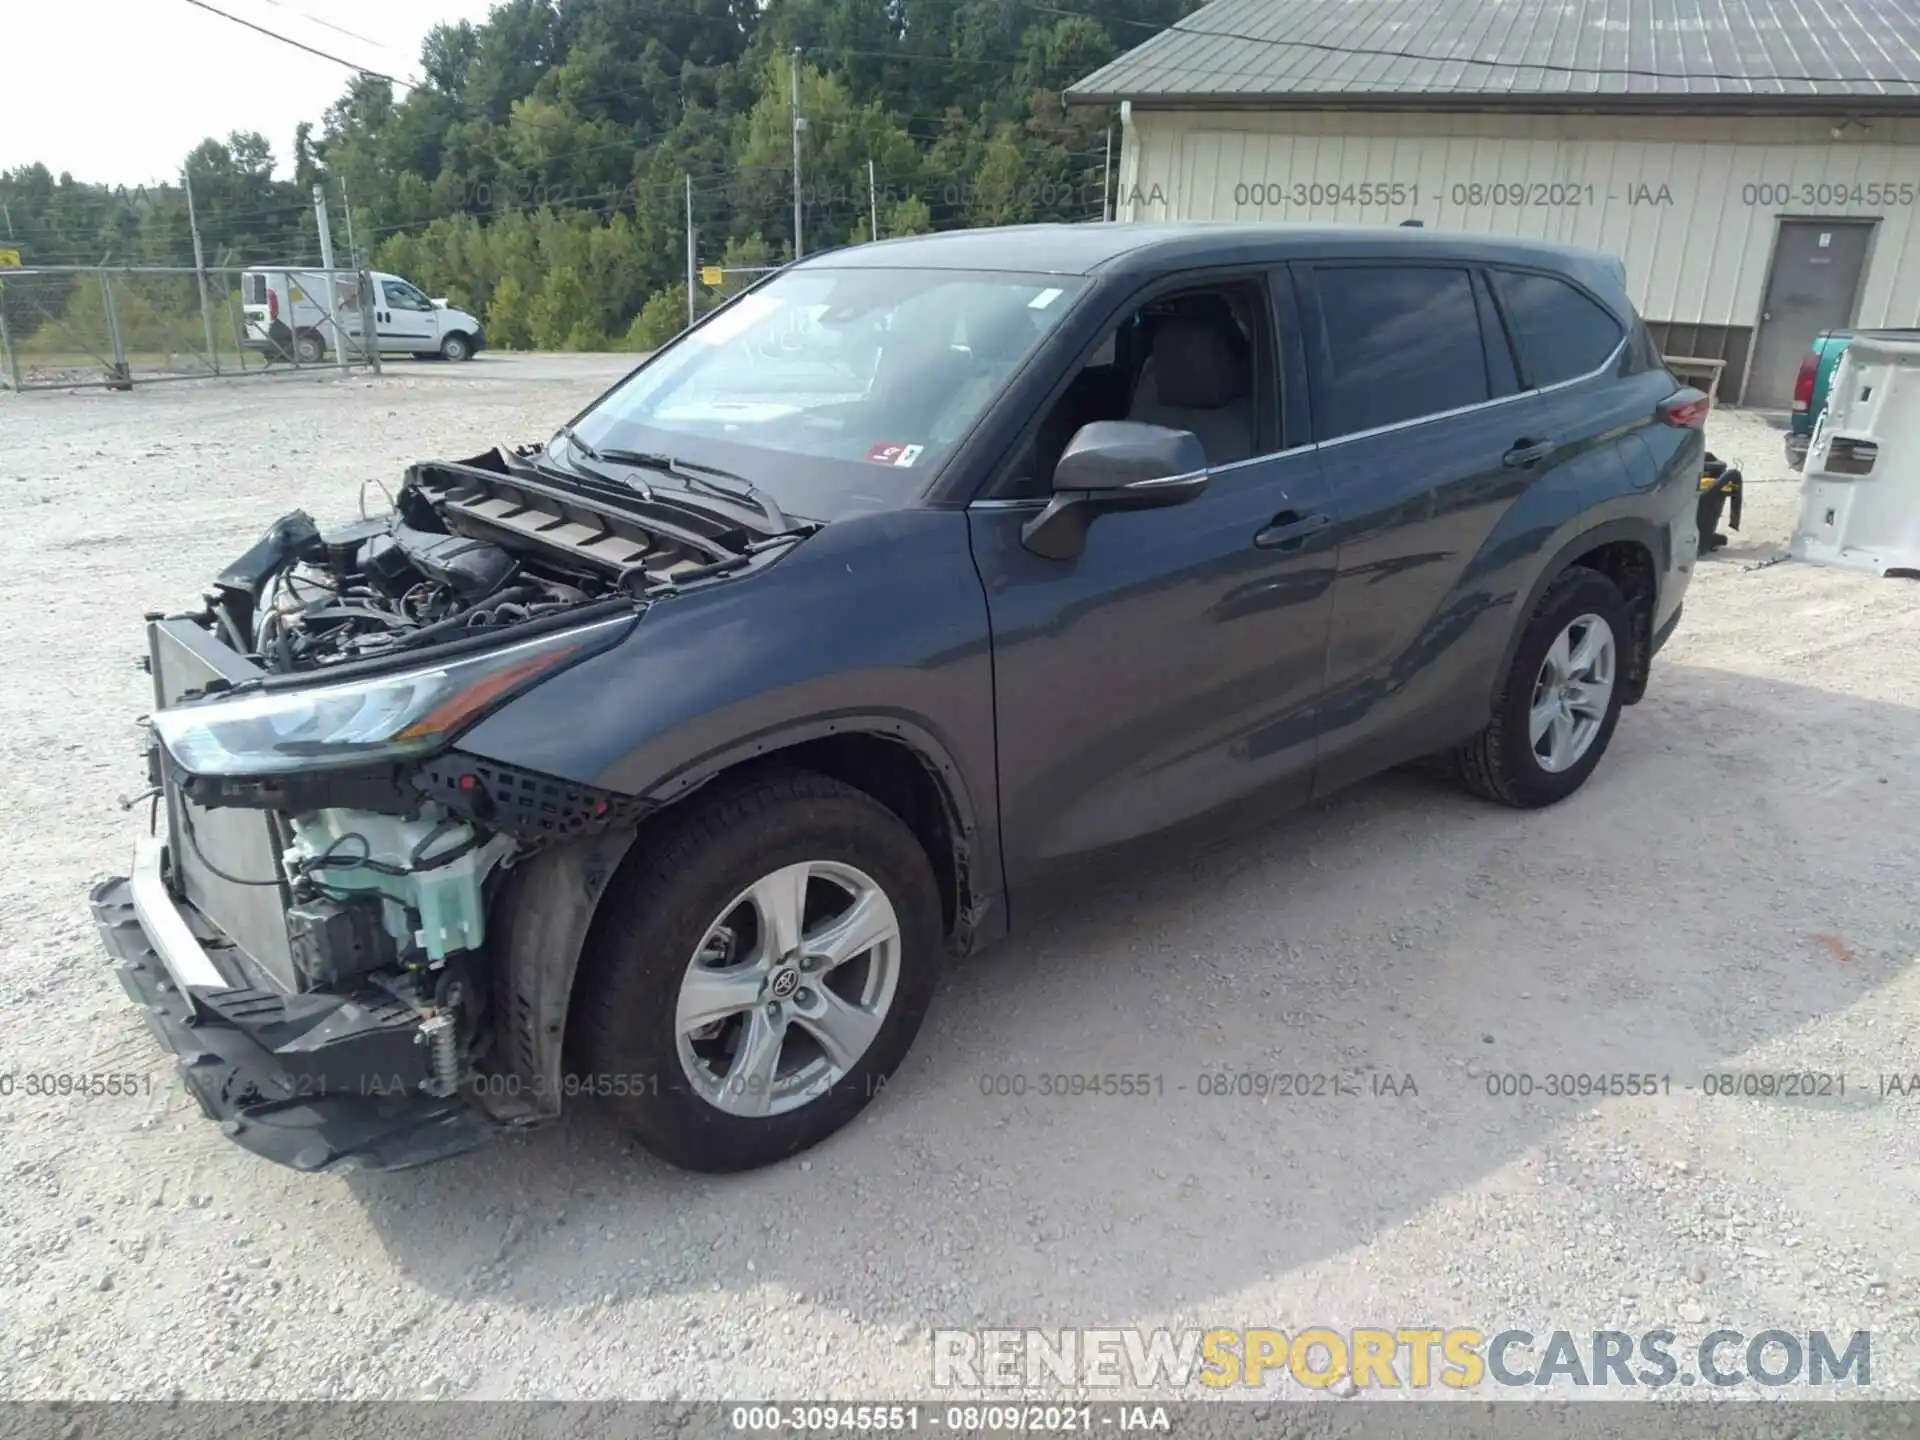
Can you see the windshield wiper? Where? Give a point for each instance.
(575, 443)
(697, 476)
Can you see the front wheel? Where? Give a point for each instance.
(761, 974)
(1560, 698)
(456, 347)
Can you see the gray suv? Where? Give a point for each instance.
(660, 765)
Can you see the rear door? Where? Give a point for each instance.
(1426, 438)
(255, 306)
(1603, 381)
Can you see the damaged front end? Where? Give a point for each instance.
(310, 935)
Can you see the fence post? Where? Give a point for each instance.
(369, 332)
(200, 270)
(123, 377)
(6, 343)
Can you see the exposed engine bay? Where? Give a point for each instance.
(469, 547)
(331, 854)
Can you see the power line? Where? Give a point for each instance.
(302, 45)
(1328, 48)
(329, 25)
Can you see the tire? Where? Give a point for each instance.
(1504, 762)
(309, 348)
(672, 901)
(456, 347)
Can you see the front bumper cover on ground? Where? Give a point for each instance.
(318, 1081)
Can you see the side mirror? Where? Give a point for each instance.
(1114, 465)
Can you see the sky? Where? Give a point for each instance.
(118, 91)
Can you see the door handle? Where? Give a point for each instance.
(1289, 530)
(1527, 452)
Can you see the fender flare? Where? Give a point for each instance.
(930, 749)
(979, 914)
(1642, 531)
(542, 916)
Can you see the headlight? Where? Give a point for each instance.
(381, 718)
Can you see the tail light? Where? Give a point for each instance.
(1686, 410)
(273, 306)
(1803, 383)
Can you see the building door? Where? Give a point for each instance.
(1817, 265)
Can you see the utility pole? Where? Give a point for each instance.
(798, 124)
(332, 301)
(200, 270)
(873, 204)
(690, 267)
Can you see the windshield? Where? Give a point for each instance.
(834, 390)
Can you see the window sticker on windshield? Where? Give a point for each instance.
(909, 455)
(893, 452)
(1044, 299)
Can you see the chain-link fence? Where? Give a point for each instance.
(63, 327)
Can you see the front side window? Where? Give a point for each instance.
(402, 296)
(1400, 342)
(1562, 334)
(835, 389)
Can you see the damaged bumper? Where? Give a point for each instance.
(314, 1081)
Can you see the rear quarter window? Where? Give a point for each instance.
(1561, 334)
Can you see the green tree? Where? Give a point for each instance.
(556, 312)
(507, 316)
(660, 319)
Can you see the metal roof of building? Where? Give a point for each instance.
(1718, 54)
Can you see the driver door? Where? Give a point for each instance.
(407, 321)
(1174, 665)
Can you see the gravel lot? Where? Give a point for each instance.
(1730, 893)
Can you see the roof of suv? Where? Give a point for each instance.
(1155, 246)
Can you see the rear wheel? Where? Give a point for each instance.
(763, 974)
(1560, 699)
(309, 348)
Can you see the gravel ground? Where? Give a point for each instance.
(1730, 893)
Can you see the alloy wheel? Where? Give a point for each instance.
(787, 988)
(1571, 693)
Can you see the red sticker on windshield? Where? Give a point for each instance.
(887, 452)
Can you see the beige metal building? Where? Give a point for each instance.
(1757, 165)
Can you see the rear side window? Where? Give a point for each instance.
(1643, 354)
(253, 289)
(1401, 342)
(1562, 334)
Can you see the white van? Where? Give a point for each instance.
(286, 316)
